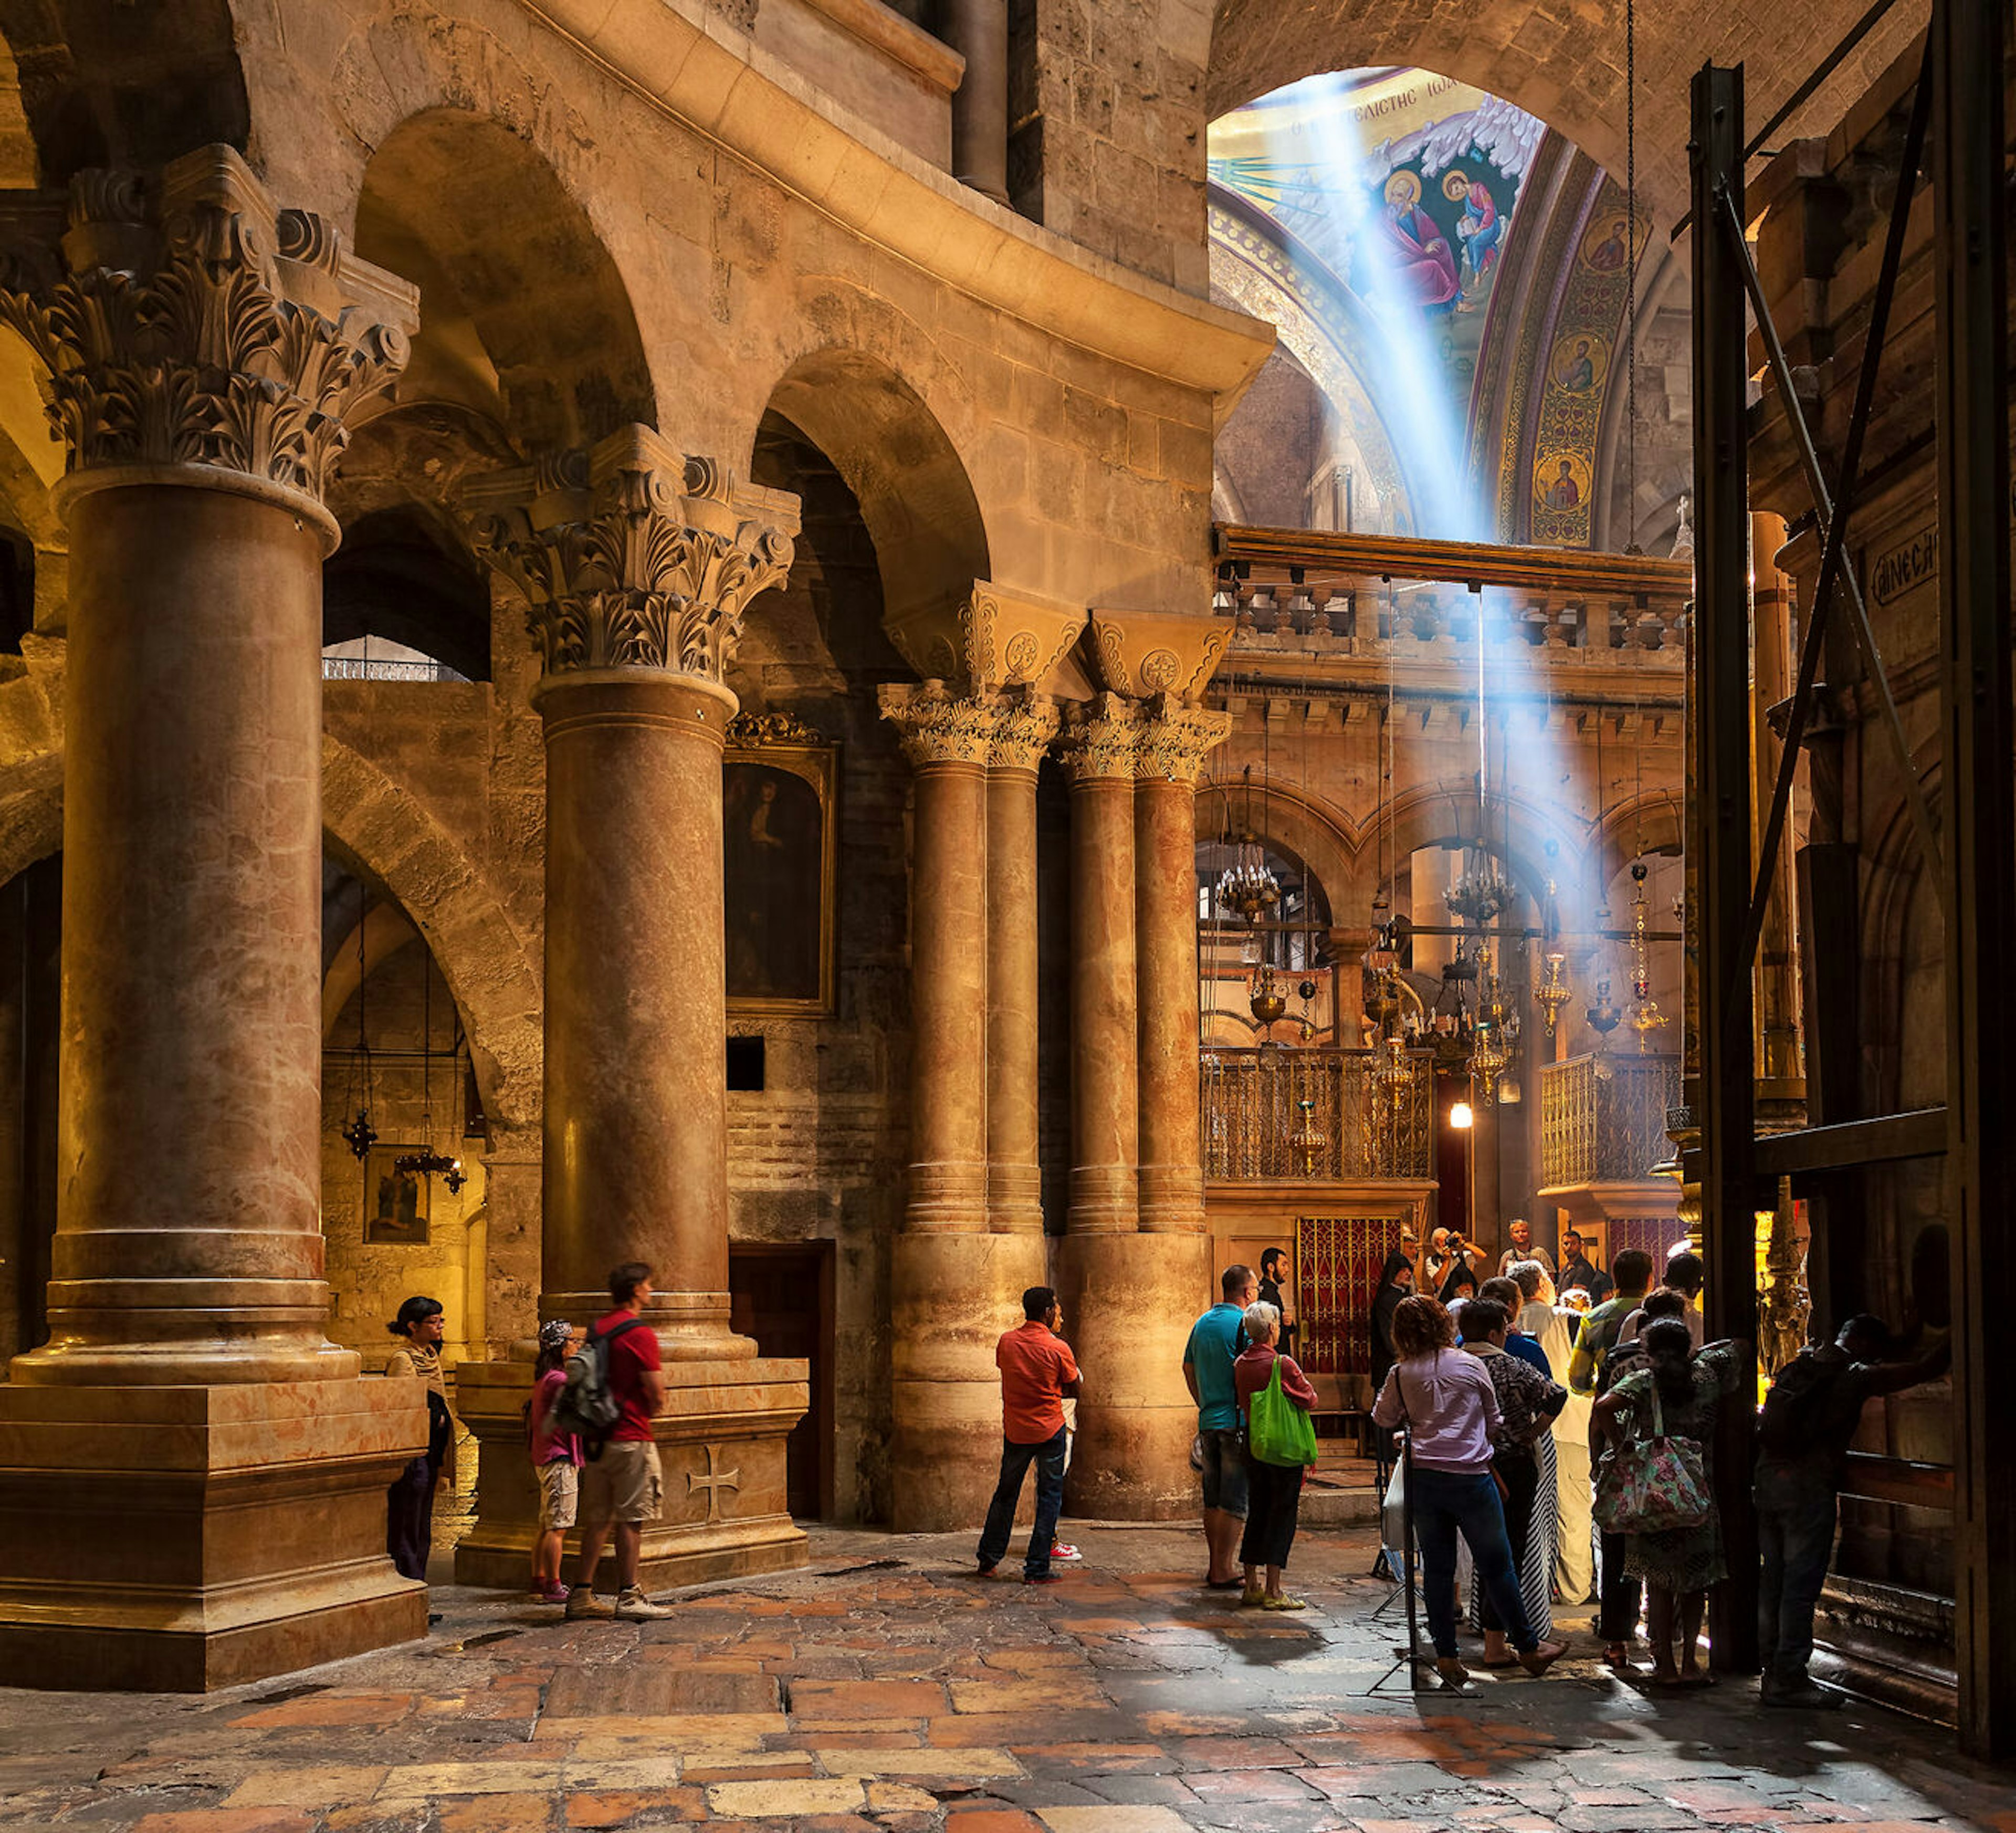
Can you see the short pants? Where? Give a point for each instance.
(624, 1484)
(560, 1492)
(1224, 1470)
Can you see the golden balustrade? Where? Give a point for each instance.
(1256, 1128)
(1603, 1118)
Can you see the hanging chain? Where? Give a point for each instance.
(1631, 276)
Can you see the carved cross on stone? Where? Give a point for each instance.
(714, 1482)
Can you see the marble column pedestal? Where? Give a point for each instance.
(954, 1295)
(721, 1441)
(180, 1539)
(1129, 1301)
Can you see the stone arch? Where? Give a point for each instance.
(525, 318)
(30, 813)
(1323, 837)
(117, 86)
(1659, 815)
(368, 819)
(914, 493)
(1510, 828)
(1570, 76)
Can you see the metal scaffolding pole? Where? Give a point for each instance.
(1979, 740)
(1719, 834)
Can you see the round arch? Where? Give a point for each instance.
(1572, 78)
(524, 317)
(1654, 822)
(119, 85)
(1511, 829)
(370, 822)
(1321, 837)
(915, 494)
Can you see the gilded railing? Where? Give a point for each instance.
(1602, 1118)
(1256, 1128)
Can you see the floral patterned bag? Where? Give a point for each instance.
(1652, 1485)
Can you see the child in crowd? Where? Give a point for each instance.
(556, 1462)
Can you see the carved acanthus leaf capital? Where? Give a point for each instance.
(631, 555)
(1027, 725)
(1175, 739)
(1101, 741)
(190, 320)
(935, 725)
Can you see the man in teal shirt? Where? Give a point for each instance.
(1215, 1340)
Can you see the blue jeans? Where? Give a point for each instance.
(1795, 1541)
(1048, 1459)
(1446, 1504)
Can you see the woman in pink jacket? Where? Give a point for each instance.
(1273, 1491)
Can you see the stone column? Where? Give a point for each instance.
(978, 30)
(1101, 1258)
(1028, 722)
(636, 563)
(192, 1477)
(952, 1278)
(1175, 739)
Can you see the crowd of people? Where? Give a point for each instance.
(1559, 1426)
(1581, 1468)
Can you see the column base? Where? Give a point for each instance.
(720, 1442)
(1129, 1301)
(953, 1296)
(180, 1539)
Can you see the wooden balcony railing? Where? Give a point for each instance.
(1256, 1129)
(1602, 1118)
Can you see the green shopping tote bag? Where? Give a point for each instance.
(1277, 1429)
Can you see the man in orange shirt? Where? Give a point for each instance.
(1037, 1375)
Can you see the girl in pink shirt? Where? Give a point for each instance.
(556, 1461)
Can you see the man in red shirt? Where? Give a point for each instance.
(1037, 1375)
(624, 1487)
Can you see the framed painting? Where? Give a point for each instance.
(395, 1202)
(780, 834)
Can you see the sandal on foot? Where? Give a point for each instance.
(1251, 1598)
(1453, 1671)
(1283, 1603)
(1617, 1657)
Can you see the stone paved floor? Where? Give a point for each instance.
(886, 1689)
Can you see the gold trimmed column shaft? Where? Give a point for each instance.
(1175, 739)
(953, 1281)
(1027, 724)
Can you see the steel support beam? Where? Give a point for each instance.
(1971, 412)
(1719, 813)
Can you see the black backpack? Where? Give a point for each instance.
(585, 1406)
(1796, 1406)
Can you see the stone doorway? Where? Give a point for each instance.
(782, 1294)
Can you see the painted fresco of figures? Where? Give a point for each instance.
(1423, 267)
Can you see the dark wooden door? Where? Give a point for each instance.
(782, 1295)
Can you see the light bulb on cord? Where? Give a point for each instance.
(1460, 1117)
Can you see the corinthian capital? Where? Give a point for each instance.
(1101, 741)
(190, 320)
(935, 725)
(1028, 722)
(631, 555)
(1175, 739)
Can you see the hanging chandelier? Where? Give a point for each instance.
(428, 1162)
(358, 1133)
(1497, 1048)
(1645, 1017)
(1248, 886)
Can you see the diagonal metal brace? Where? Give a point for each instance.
(1834, 511)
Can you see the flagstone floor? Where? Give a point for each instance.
(885, 1688)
